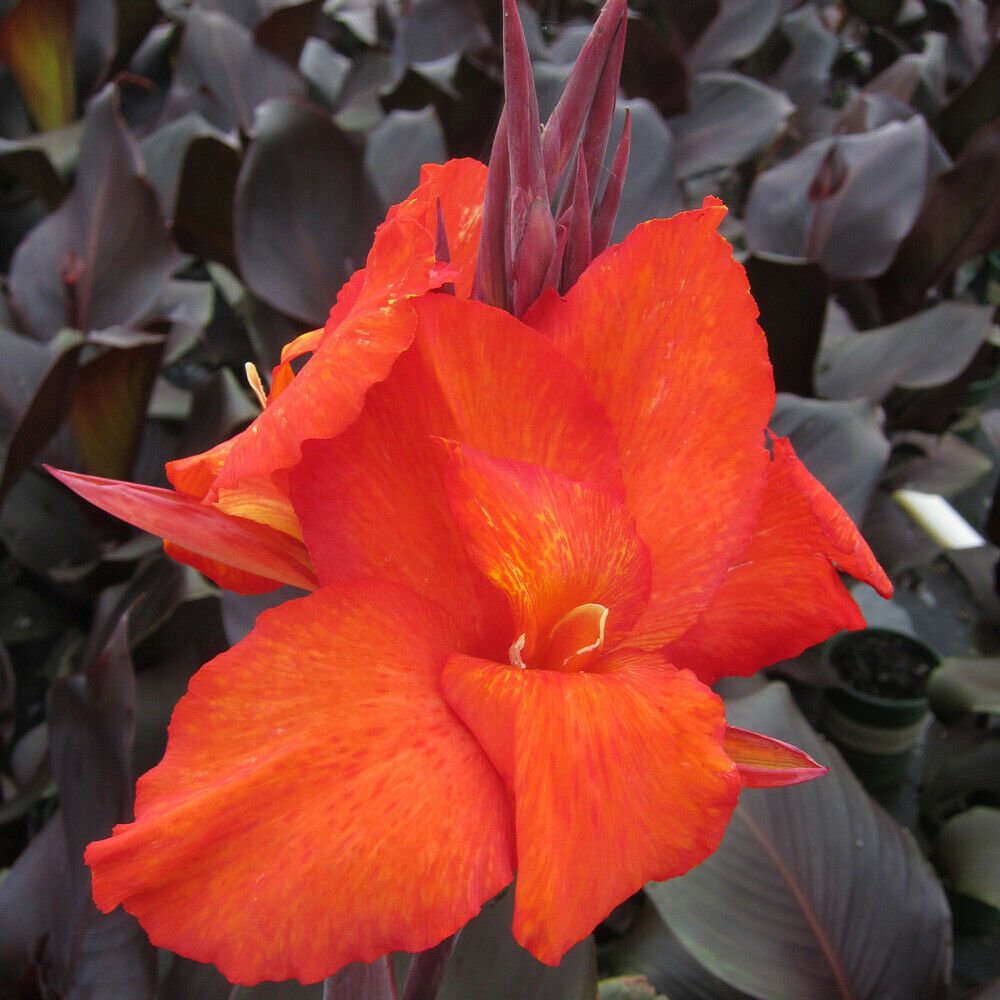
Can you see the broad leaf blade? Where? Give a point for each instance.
(489, 965)
(731, 117)
(959, 219)
(102, 258)
(36, 41)
(928, 349)
(224, 74)
(109, 404)
(815, 893)
(295, 237)
(852, 223)
(361, 981)
(36, 391)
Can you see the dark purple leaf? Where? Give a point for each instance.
(240, 611)
(290, 990)
(842, 444)
(103, 256)
(220, 408)
(815, 893)
(284, 30)
(45, 528)
(978, 568)
(928, 349)
(135, 19)
(80, 951)
(805, 72)
(988, 991)
(371, 76)
(203, 210)
(653, 68)
(42, 161)
(36, 392)
(187, 979)
(791, 296)
(94, 41)
(25, 616)
(36, 914)
(32, 774)
(150, 598)
(853, 228)
(91, 724)
(166, 150)
(651, 188)
(489, 965)
(898, 544)
(432, 29)
(170, 657)
(730, 118)
(109, 403)
(739, 29)
(325, 69)
(649, 948)
(423, 977)
(8, 692)
(876, 11)
(916, 77)
(224, 74)
(361, 981)
(975, 106)
(297, 240)
(959, 219)
(36, 39)
(935, 463)
(398, 147)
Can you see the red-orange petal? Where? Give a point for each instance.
(550, 543)
(459, 186)
(236, 580)
(195, 474)
(372, 500)
(619, 777)
(664, 328)
(784, 594)
(318, 802)
(327, 395)
(764, 762)
(368, 329)
(244, 545)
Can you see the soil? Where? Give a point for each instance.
(884, 665)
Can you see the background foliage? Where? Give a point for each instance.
(186, 185)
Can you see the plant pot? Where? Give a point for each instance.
(877, 714)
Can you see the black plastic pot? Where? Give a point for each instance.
(877, 732)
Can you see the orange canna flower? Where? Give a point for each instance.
(532, 544)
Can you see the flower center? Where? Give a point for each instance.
(573, 644)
